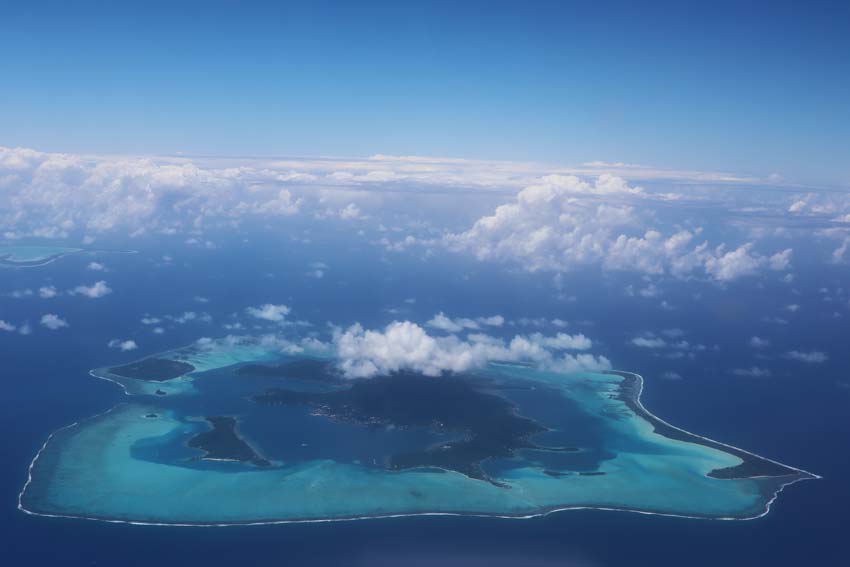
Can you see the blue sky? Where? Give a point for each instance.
(753, 88)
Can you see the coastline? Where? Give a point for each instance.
(797, 476)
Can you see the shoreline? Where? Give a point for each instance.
(801, 475)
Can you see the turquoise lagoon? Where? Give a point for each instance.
(133, 463)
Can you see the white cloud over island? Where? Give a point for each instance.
(403, 345)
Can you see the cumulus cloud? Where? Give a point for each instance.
(47, 292)
(123, 345)
(493, 321)
(605, 184)
(407, 346)
(444, 323)
(781, 260)
(317, 270)
(350, 212)
(95, 291)
(53, 321)
(21, 293)
(758, 342)
(561, 341)
(649, 291)
(561, 218)
(727, 266)
(840, 254)
(824, 204)
(96, 267)
(649, 342)
(555, 226)
(809, 357)
(269, 312)
(59, 192)
(752, 371)
(4, 326)
(51, 194)
(127, 189)
(674, 347)
(440, 321)
(186, 317)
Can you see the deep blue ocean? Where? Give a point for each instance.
(797, 416)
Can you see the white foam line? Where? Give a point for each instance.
(417, 514)
(43, 447)
(123, 387)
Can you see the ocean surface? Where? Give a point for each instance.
(797, 416)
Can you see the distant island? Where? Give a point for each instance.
(33, 256)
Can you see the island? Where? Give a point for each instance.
(287, 438)
(223, 443)
(487, 426)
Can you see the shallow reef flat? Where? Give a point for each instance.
(507, 440)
